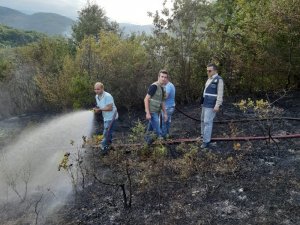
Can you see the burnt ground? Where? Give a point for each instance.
(255, 182)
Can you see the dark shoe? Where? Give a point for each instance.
(167, 137)
(160, 139)
(104, 150)
(212, 144)
(205, 145)
(149, 142)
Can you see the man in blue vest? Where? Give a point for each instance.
(212, 100)
(154, 104)
(170, 107)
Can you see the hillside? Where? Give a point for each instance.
(49, 23)
(55, 24)
(10, 37)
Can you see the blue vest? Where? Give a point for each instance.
(211, 93)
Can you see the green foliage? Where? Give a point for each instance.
(120, 64)
(47, 54)
(255, 43)
(90, 22)
(80, 90)
(159, 151)
(10, 37)
(137, 134)
(76, 168)
(62, 78)
(180, 39)
(53, 68)
(262, 108)
(189, 161)
(5, 68)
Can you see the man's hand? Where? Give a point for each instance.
(148, 116)
(216, 109)
(96, 110)
(165, 117)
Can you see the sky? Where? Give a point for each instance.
(121, 11)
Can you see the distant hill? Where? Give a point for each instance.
(129, 28)
(55, 24)
(49, 23)
(10, 37)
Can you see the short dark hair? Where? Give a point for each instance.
(163, 71)
(214, 66)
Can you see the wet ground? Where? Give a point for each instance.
(255, 182)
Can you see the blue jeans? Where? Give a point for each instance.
(108, 129)
(207, 119)
(166, 125)
(153, 125)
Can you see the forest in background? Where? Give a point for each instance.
(255, 44)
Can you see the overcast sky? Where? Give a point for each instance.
(128, 11)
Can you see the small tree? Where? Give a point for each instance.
(263, 110)
(91, 21)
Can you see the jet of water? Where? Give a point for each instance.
(34, 157)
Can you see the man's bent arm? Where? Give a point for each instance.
(147, 104)
(108, 107)
(220, 93)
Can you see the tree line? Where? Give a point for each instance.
(254, 43)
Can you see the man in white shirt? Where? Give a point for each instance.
(106, 105)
